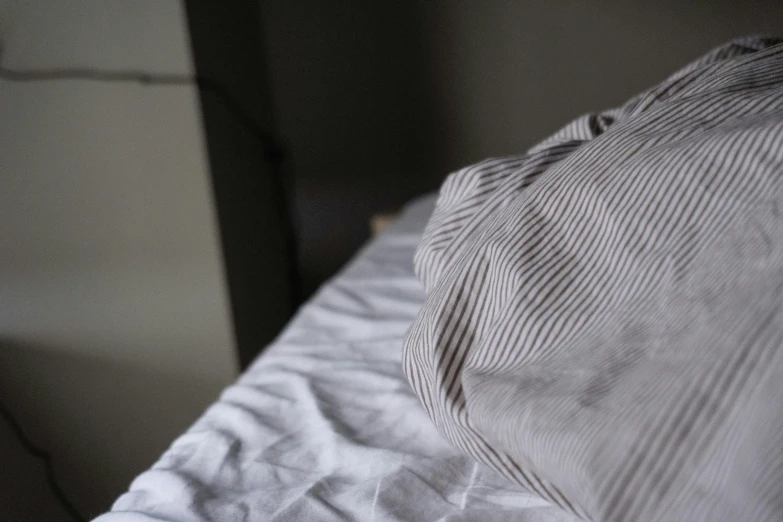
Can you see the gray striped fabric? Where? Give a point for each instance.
(604, 322)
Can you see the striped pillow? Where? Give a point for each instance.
(605, 313)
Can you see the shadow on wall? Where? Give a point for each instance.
(357, 107)
(77, 408)
(380, 100)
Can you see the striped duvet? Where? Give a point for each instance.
(605, 313)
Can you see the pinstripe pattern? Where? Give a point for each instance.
(604, 317)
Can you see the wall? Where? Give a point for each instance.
(108, 242)
(379, 100)
(248, 179)
(511, 72)
(115, 330)
(355, 104)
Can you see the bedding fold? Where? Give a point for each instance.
(603, 316)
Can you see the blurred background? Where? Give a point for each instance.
(176, 177)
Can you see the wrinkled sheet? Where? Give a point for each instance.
(605, 313)
(324, 426)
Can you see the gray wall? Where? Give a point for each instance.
(379, 100)
(108, 237)
(115, 330)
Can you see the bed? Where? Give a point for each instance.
(590, 330)
(324, 425)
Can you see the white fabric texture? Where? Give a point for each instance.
(324, 425)
(604, 314)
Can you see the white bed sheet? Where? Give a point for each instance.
(324, 426)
